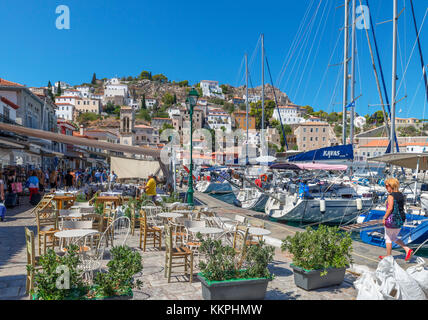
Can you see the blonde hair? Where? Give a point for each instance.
(393, 183)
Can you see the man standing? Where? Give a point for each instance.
(68, 180)
(150, 188)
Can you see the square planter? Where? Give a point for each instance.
(234, 289)
(312, 279)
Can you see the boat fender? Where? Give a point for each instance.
(322, 205)
(359, 204)
(237, 203)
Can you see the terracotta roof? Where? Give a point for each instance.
(4, 82)
(77, 134)
(10, 103)
(378, 143)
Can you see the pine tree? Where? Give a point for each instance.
(59, 93)
(143, 102)
(94, 78)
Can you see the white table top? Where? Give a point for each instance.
(108, 194)
(169, 215)
(258, 231)
(206, 230)
(183, 211)
(75, 233)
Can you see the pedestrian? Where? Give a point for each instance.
(69, 179)
(150, 187)
(1, 187)
(53, 179)
(33, 184)
(394, 217)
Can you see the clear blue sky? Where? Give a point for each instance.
(197, 40)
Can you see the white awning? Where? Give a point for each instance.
(405, 160)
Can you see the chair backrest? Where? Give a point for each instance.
(240, 238)
(47, 217)
(168, 239)
(240, 219)
(77, 224)
(257, 224)
(31, 249)
(64, 212)
(95, 218)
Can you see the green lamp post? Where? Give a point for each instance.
(192, 98)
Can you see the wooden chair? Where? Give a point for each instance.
(240, 220)
(176, 256)
(147, 233)
(46, 218)
(178, 230)
(31, 259)
(255, 239)
(240, 239)
(191, 240)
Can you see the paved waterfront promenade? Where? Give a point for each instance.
(156, 287)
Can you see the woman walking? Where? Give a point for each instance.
(33, 184)
(394, 218)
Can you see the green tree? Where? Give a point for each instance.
(165, 126)
(143, 102)
(143, 114)
(160, 78)
(145, 75)
(94, 78)
(85, 118)
(109, 107)
(309, 109)
(59, 92)
(168, 99)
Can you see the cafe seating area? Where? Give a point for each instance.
(109, 219)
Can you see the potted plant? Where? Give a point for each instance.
(226, 275)
(320, 257)
(48, 281)
(118, 281)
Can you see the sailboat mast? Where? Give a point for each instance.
(345, 70)
(246, 105)
(394, 75)
(352, 108)
(262, 136)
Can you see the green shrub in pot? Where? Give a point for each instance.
(320, 249)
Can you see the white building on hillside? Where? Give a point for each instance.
(218, 118)
(289, 115)
(211, 89)
(65, 111)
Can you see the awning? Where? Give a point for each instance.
(322, 166)
(6, 144)
(79, 141)
(405, 160)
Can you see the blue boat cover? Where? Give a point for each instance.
(342, 152)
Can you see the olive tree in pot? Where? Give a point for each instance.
(320, 257)
(227, 275)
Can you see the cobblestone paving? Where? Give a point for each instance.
(155, 285)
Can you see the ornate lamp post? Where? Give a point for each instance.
(192, 98)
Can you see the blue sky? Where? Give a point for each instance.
(197, 40)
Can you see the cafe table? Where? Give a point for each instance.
(206, 230)
(69, 235)
(59, 199)
(114, 199)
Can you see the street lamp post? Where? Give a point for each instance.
(192, 98)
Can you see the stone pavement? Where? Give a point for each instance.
(155, 286)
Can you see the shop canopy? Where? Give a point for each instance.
(155, 153)
(406, 160)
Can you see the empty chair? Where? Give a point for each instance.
(191, 240)
(149, 234)
(47, 225)
(31, 259)
(177, 256)
(240, 239)
(240, 220)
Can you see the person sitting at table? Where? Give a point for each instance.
(150, 187)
